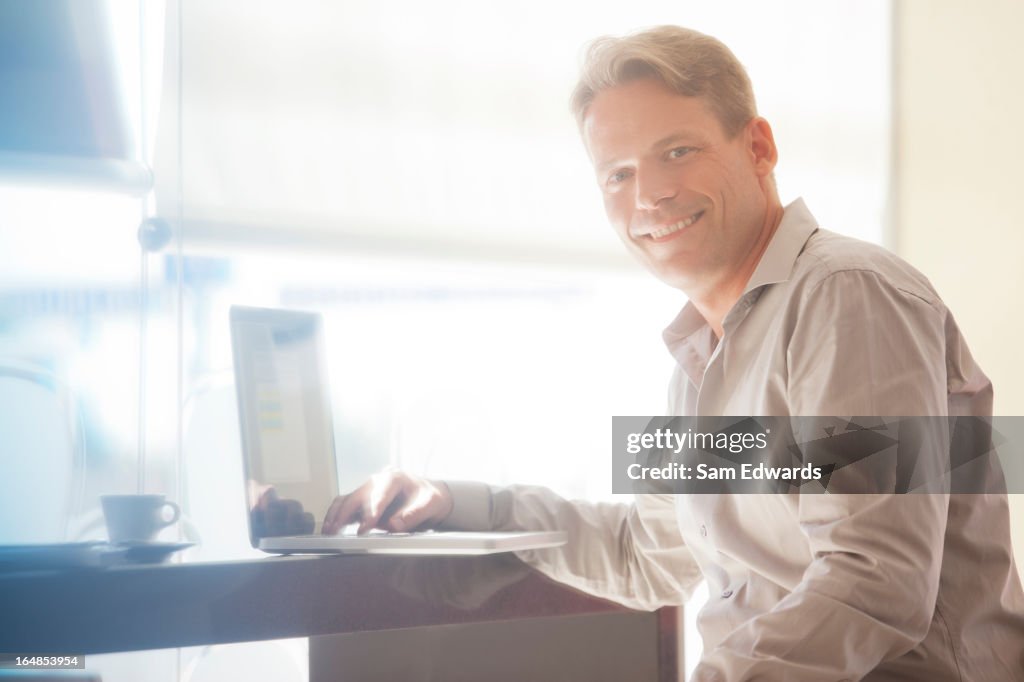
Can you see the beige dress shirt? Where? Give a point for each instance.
(807, 587)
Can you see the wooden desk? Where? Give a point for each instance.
(178, 605)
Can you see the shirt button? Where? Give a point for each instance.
(726, 594)
(703, 531)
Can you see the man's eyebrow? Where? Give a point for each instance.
(604, 166)
(680, 136)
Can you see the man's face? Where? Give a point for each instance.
(686, 199)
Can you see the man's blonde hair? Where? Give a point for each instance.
(685, 61)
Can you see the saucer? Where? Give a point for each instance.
(149, 552)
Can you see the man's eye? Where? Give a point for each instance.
(679, 152)
(618, 176)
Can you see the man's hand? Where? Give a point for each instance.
(391, 500)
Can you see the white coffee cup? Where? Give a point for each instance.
(137, 518)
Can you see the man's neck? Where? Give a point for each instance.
(715, 301)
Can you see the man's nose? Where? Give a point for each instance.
(652, 187)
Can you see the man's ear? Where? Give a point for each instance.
(763, 151)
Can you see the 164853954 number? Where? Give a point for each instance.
(42, 661)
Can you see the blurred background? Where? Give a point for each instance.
(411, 170)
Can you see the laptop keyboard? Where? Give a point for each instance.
(371, 534)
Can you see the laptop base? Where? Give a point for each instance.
(421, 544)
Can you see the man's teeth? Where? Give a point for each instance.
(665, 231)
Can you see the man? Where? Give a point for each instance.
(783, 319)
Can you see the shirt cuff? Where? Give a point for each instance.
(471, 506)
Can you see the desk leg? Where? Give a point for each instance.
(671, 664)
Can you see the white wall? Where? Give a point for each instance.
(959, 149)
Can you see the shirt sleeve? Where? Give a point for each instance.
(859, 346)
(632, 554)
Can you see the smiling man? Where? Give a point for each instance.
(691, 196)
(783, 319)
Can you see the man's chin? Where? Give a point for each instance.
(672, 275)
(671, 268)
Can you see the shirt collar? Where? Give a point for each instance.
(777, 261)
(776, 265)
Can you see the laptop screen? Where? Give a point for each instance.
(285, 415)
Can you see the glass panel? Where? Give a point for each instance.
(68, 322)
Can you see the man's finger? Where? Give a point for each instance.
(410, 518)
(345, 509)
(384, 489)
(423, 507)
(331, 525)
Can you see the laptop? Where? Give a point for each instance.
(289, 459)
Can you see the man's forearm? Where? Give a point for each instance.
(631, 554)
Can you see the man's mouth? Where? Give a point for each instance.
(663, 232)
